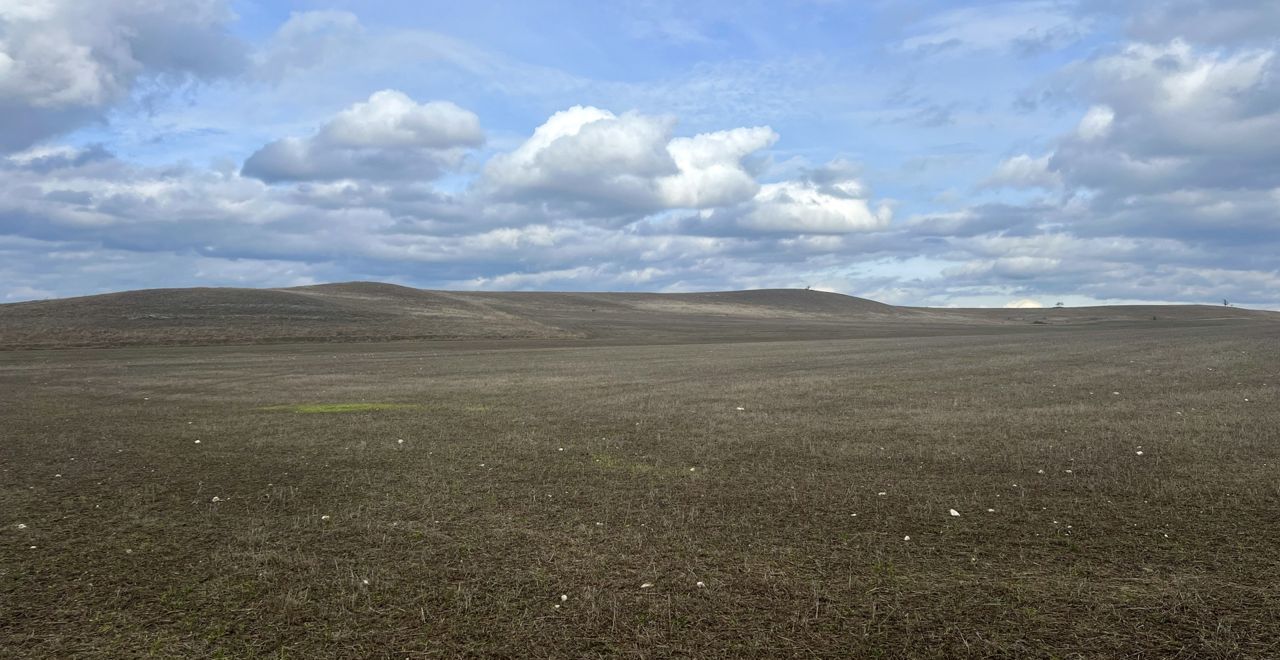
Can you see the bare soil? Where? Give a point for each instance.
(1115, 479)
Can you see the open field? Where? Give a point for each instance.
(1118, 488)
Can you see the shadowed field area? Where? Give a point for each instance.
(1116, 488)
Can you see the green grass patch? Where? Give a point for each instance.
(314, 408)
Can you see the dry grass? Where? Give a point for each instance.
(526, 474)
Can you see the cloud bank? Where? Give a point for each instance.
(1148, 168)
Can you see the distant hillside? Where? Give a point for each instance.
(367, 311)
(1108, 313)
(339, 312)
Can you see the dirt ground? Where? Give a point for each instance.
(1086, 491)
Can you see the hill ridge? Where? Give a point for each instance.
(379, 311)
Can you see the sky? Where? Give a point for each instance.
(916, 152)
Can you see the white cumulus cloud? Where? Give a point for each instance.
(390, 136)
(629, 163)
(809, 208)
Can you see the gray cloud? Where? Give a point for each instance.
(1174, 115)
(1167, 189)
(64, 63)
(1219, 22)
(1179, 142)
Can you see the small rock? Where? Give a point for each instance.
(701, 584)
(646, 585)
(954, 513)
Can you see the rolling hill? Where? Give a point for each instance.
(368, 311)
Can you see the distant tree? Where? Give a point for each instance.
(1059, 305)
(1225, 303)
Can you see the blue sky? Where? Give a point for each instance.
(925, 153)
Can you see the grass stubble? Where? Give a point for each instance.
(1117, 494)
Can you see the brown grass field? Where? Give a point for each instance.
(650, 484)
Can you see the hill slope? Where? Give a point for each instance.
(344, 312)
(366, 311)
